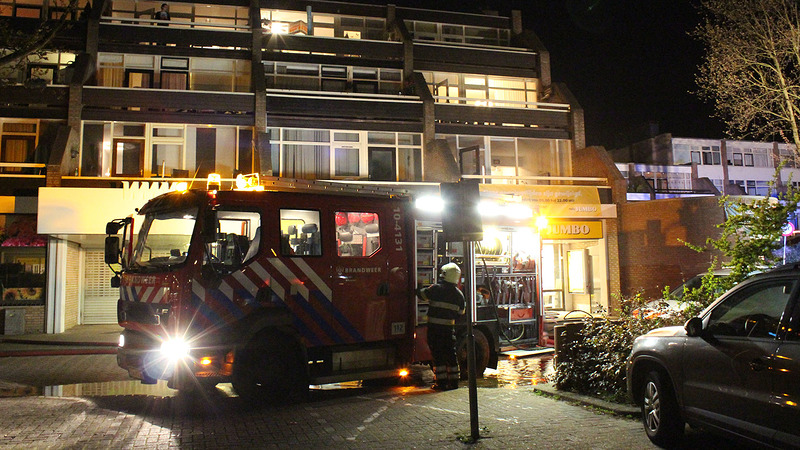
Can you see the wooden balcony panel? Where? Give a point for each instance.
(161, 50)
(155, 98)
(111, 32)
(528, 117)
(34, 112)
(348, 108)
(148, 115)
(500, 131)
(46, 95)
(339, 46)
(435, 57)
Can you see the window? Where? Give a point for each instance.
(357, 234)
(753, 312)
(300, 233)
(238, 238)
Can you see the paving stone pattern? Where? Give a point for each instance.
(401, 417)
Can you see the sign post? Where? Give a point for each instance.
(461, 222)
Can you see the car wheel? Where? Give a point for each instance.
(660, 415)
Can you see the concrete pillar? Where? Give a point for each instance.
(56, 286)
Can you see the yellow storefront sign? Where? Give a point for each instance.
(573, 229)
(553, 200)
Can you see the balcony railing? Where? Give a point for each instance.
(177, 23)
(22, 170)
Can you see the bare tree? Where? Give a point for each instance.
(751, 69)
(16, 46)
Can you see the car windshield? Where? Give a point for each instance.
(164, 238)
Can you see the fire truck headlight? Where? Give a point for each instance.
(122, 340)
(175, 349)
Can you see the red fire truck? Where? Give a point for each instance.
(274, 290)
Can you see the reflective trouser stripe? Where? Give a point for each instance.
(440, 372)
(453, 373)
(439, 321)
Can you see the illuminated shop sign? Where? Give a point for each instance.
(573, 229)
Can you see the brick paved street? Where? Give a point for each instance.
(107, 411)
(347, 418)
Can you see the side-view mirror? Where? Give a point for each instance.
(112, 250)
(209, 227)
(694, 327)
(113, 227)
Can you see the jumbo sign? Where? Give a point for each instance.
(587, 229)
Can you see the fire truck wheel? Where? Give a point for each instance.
(270, 369)
(481, 354)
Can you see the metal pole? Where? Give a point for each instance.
(469, 253)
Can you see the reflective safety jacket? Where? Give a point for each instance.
(446, 303)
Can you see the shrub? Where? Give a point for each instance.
(595, 360)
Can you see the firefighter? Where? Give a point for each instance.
(446, 304)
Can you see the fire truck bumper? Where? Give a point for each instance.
(149, 361)
(146, 365)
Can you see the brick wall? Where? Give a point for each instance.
(34, 319)
(595, 162)
(651, 252)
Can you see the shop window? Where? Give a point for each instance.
(300, 232)
(357, 234)
(22, 262)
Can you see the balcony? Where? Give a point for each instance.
(343, 110)
(539, 120)
(168, 106)
(295, 47)
(34, 102)
(463, 58)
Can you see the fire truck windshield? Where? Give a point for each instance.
(164, 239)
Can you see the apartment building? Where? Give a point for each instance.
(665, 166)
(123, 105)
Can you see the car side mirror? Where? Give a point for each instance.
(694, 327)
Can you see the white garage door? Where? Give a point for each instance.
(99, 298)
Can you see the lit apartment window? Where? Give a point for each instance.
(330, 78)
(482, 90)
(462, 34)
(322, 154)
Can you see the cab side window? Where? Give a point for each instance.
(357, 234)
(754, 312)
(300, 232)
(237, 240)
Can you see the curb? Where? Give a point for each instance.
(8, 389)
(59, 352)
(58, 343)
(618, 409)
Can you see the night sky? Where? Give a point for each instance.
(628, 62)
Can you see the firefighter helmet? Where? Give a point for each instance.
(451, 273)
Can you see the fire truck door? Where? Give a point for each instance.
(363, 273)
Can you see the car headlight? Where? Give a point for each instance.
(175, 349)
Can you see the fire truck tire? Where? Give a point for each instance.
(482, 354)
(270, 369)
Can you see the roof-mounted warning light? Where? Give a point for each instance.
(214, 182)
(249, 182)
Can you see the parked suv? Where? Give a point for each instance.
(733, 370)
